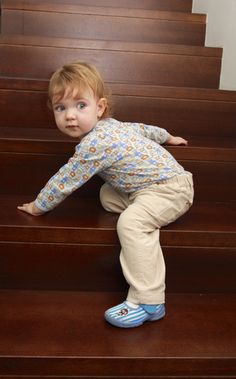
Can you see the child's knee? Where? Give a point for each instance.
(105, 196)
(113, 200)
(126, 223)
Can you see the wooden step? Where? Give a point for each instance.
(67, 266)
(136, 62)
(51, 141)
(55, 251)
(106, 23)
(68, 7)
(211, 178)
(166, 5)
(213, 166)
(206, 224)
(65, 336)
(198, 113)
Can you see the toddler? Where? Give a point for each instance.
(143, 183)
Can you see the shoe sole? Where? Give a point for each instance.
(118, 324)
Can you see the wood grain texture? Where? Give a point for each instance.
(65, 334)
(127, 62)
(205, 224)
(166, 5)
(60, 272)
(106, 23)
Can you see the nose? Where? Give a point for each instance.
(70, 114)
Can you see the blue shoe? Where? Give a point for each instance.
(123, 316)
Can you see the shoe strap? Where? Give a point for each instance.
(149, 308)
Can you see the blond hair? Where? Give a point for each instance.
(78, 76)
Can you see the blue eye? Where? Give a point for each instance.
(81, 105)
(59, 108)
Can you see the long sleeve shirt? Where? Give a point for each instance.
(128, 156)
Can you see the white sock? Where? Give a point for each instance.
(132, 305)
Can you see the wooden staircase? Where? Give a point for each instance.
(60, 272)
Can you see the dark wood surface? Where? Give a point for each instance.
(129, 89)
(68, 8)
(204, 115)
(211, 177)
(206, 224)
(60, 271)
(162, 64)
(52, 333)
(121, 24)
(189, 268)
(166, 5)
(51, 141)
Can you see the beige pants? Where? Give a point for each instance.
(143, 213)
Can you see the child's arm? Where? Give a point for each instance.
(158, 134)
(78, 170)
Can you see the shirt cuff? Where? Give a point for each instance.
(40, 206)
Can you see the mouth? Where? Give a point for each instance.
(72, 126)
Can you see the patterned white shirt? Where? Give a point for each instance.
(128, 156)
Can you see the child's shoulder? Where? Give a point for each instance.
(105, 122)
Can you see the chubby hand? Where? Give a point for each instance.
(172, 140)
(31, 209)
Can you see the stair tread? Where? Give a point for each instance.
(129, 89)
(48, 6)
(70, 324)
(138, 47)
(178, 5)
(129, 62)
(49, 140)
(206, 224)
(53, 135)
(103, 23)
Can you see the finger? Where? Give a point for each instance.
(22, 207)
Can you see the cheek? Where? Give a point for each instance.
(58, 118)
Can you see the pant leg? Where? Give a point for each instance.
(113, 200)
(132, 256)
(141, 255)
(138, 229)
(143, 214)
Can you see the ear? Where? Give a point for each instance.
(101, 106)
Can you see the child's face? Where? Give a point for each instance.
(76, 116)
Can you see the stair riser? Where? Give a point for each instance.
(97, 367)
(28, 173)
(44, 146)
(67, 267)
(146, 68)
(102, 27)
(103, 237)
(179, 116)
(167, 5)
